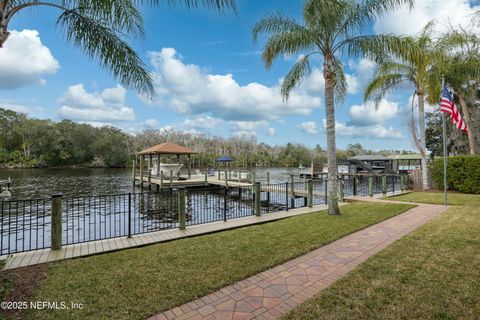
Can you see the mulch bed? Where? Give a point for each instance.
(20, 284)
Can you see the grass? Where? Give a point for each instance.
(136, 283)
(433, 273)
(436, 197)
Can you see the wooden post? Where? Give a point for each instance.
(161, 179)
(384, 185)
(56, 229)
(257, 199)
(310, 193)
(268, 177)
(142, 158)
(150, 172)
(253, 178)
(402, 181)
(181, 208)
(178, 161)
(171, 179)
(218, 170)
(206, 177)
(370, 186)
(341, 189)
(357, 185)
(158, 164)
(189, 167)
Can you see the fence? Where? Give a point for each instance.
(27, 224)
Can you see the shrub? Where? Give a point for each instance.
(463, 173)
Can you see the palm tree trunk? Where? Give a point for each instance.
(468, 120)
(333, 208)
(423, 148)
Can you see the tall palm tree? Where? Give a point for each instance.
(331, 28)
(412, 63)
(100, 28)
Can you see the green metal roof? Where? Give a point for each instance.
(405, 157)
(370, 157)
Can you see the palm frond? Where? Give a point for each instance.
(275, 24)
(339, 82)
(375, 8)
(100, 42)
(381, 85)
(286, 43)
(295, 76)
(220, 5)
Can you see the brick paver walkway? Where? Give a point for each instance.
(272, 293)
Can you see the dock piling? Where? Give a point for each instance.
(257, 189)
(56, 231)
(310, 193)
(181, 208)
(384, 185)
(370, 186)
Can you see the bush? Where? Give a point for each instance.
(463, 174)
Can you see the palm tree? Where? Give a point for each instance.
(99, 28)
(412, 63)
(462, 74)
(331, 28)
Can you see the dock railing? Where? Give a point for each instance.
(34, 224)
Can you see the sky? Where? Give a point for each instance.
(210, 77)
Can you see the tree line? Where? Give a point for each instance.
(29, 142)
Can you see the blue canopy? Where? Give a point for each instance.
(224, 159)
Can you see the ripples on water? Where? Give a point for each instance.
(40, 183)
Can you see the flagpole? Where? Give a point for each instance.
(444, 152)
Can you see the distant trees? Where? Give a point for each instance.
(32, 142)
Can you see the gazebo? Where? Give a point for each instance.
(166, 148)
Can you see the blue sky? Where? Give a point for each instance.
(210, 78)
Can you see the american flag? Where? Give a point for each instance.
(448, 106)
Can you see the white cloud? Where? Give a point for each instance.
(187, 89)
(249, 125)
(309, 127)
(368, 114)
(151, 123)
(376, 131)
(353, 85)
(271, 131)
(109, 105)
(14, 107)
(404, 21)
(24, 60)
(204, 123)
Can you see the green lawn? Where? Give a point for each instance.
(433, 273)
(436, 197)
(136, 283)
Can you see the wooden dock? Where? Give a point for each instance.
(194, 181)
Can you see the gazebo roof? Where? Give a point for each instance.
(167, 148)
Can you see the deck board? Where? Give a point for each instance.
(108, 245)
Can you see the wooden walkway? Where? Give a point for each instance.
(23, 259)
(272, 293)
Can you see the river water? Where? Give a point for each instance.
(41, 183)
